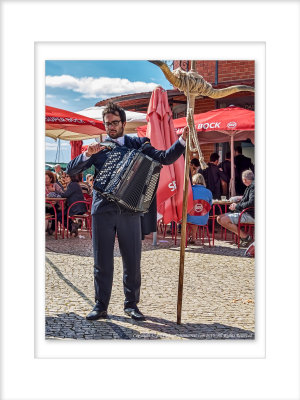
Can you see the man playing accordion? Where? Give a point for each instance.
(109, 219)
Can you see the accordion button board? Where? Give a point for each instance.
(129, 178)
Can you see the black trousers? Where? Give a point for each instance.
(128, 229)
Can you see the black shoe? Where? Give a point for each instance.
(246, 241)
(98, 312)
(50, 231)
(134, 313)
(74, 229)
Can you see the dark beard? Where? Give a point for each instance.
(116, 135)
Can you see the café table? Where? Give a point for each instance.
(61, 201)
(218, 203)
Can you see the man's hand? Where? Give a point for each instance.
(185, 132)
(232, 206)
(94, 148)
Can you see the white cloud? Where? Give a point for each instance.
(50, 96)
(53, 146)
(102, 87)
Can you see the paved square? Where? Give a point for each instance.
(218, 293)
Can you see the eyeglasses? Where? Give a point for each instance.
(114, 123)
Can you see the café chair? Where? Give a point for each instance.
(249, 227)
(213, 218)
(87, 197)
(202, 229)
(86, 217)
(162, 227)
(51, 217)
(200, 212)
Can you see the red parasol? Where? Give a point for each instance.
(160, 130)
(216, 125)
(62, 124)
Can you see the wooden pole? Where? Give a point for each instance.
(175, 81)
(184, 220)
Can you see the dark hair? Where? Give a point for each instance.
(80, 176)
(112, 108)
(239, 149)
(51, 175)
(228, 154)
(195, 162)
(214, 157)
(74, 178)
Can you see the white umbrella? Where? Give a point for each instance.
(133, 119)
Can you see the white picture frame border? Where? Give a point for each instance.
(150, 349)
(23, 375)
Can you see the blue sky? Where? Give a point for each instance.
(77, 84)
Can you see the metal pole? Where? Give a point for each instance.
(232, 179)
(154, 242)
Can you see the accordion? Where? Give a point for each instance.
(128, 177)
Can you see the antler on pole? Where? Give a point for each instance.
(192, 84)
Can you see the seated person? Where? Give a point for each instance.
(85, 187)
(60, 176)
(90, 181)
(202, 205)
(194, 166)
(230, 220)
(72, 193)
(51, 187)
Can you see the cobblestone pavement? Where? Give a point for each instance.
(218, 293)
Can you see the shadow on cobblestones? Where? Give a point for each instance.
(68, 282)
(216, 250)
(167, 329)
(73, 326)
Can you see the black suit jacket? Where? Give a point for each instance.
(241, 163)
(100, 204)
(213, 176)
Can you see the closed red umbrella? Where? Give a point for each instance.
(76, 148)
(160, 130)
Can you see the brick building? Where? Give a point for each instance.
(220, 74)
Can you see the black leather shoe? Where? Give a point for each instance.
(74, 229)
(135, 313)
(246, 241)
(98, 312)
